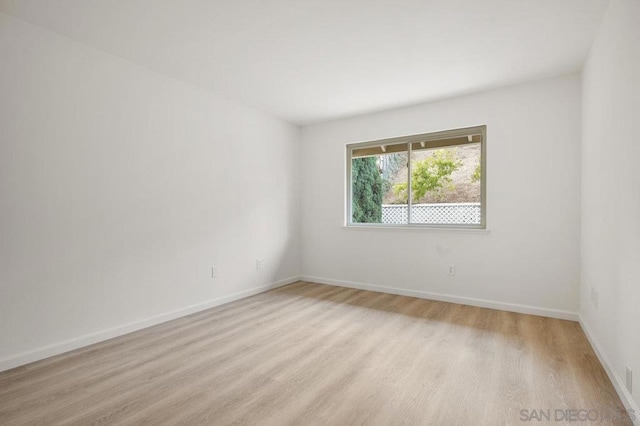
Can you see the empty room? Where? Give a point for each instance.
(318, 212)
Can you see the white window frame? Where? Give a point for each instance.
(433, 137)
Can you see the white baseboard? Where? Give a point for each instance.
(511, 307)
(27, 357)
(618, 382)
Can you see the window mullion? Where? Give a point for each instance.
(408, 183)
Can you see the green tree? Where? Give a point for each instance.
(477, 174)
(367, 191)
(432, 175)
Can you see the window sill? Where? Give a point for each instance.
(418, 228)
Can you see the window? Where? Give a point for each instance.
(429, 180)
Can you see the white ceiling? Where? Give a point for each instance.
(314, 60)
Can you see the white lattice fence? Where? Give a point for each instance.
(452, 213)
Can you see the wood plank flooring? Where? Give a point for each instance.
(315, 354)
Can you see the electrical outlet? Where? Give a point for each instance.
(258, 264)
(594, 297)
(452, 269)
(214, 272)
(629, 381)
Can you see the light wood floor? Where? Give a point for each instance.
(315, 354)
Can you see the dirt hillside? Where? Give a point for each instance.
(463, 189)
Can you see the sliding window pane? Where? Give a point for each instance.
(375, 172)
(446, 184)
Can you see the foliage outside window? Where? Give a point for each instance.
(367, 191)
(427, 180)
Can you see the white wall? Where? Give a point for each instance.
(120, 187)
(611, 191)
(531, 254)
